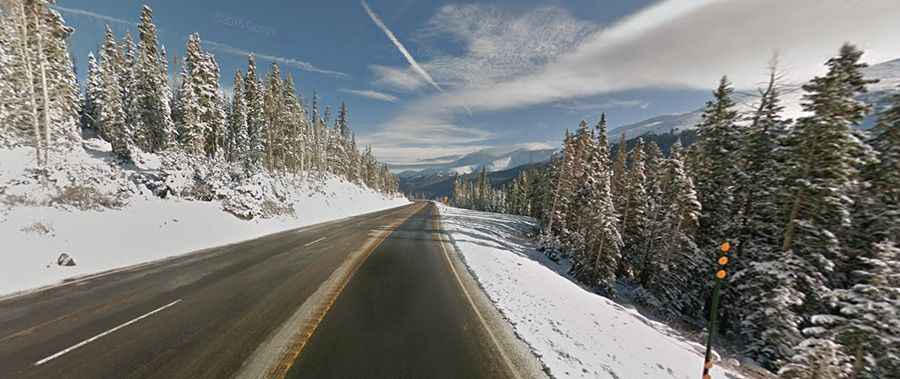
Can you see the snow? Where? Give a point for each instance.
(145, 227)
(574, 332)
(462, 170)
(501, 164)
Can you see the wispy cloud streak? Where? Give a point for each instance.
(406, 54)
(289, 62)
(374, 95)
(87, 13)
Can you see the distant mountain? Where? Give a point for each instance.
(434, 177)
(888, 74)
(493, 159)
(439, 185)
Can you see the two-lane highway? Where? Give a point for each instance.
(399, 311)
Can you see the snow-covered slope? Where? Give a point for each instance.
(887, 73)
(104, 217)
(574, 332)
(492, 159)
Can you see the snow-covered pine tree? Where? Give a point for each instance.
(236, 146)
(577, 214)
(151, 94)
(21, 120)
(62, 86)
(764, 286)
(256, 121)
(884, 177)
(816, 358)
(867, 324)
(342, 122)
(716, 169)
(273, 108)
(620, 178)
(112, 118)
(187, 122)
(677, 259)
(656, 208)
(42, 101)
(605, 241)
(827, 153)
(295, 129)
(92, 88)
(126, 63)
(636, 222)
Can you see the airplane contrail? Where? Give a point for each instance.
(412, 62)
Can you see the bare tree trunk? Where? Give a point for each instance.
(45, 95)
(29, 76)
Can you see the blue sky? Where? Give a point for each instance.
(500, 73)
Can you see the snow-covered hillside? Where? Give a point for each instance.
(492, 159)
(887, 74)
(574, 332)
(106, 216)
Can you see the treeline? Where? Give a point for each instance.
(478, 194)
(129, 101)
(811, 205)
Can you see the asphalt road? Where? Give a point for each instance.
(202, 315)
(403, 315)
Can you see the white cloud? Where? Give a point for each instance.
(288, 62)
(396, 78)
(412, 62)
(581, 106)
(671, 44)
(499, 44)
(95, 15)
(375, 95)
(690, 43)
(411, 155)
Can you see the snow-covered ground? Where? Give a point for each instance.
(574, 332)
(142, 227)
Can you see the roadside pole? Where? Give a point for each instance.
(721, 262)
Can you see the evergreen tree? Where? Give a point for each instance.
(619, 179)
(151, 94)
(716, 171)
(677, 259)
(256, 122)
(636, 222)
(93, 86)
(765, 284)
(112, 121)
(827, 154)
(605, 240)
(236, 147)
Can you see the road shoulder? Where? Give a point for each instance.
(521, 359)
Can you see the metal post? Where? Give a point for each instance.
(714, 307)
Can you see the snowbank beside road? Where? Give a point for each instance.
(140, 227)
(574, 332)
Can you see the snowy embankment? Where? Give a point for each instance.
(117, 222)
(574, 332)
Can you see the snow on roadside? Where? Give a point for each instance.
(574, 332)
(144, 227)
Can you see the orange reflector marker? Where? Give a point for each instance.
(708, 364)
(723, 261)
(707, 376)
(721, 274)
(725, 247)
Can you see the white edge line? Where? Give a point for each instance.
(94, 338)
(484, 324)
(314, 242)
